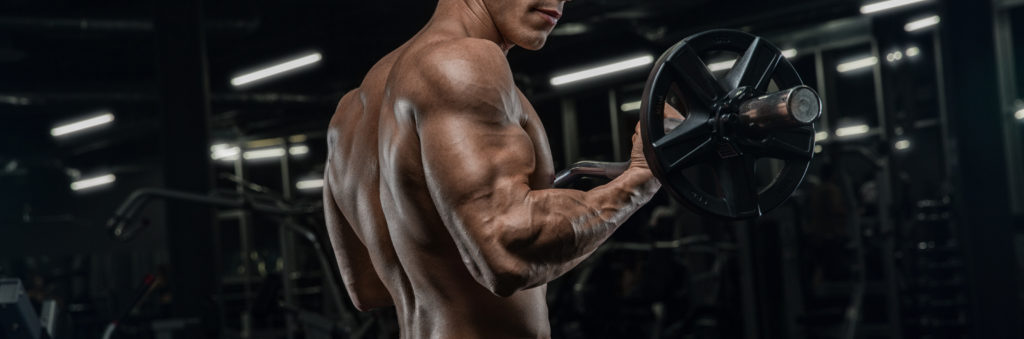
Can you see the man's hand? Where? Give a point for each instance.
(672, 120)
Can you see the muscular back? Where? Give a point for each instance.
(394, 242)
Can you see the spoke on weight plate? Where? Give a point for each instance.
(685, 145)
(696, 76)
(784, 145)
(755, 68)
(738, 184)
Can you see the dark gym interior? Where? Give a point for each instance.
(161, 166)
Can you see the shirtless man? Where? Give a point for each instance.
(438, 190)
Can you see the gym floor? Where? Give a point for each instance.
(908, 222)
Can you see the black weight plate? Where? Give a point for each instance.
(700, 139)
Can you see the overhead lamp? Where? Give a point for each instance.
(887, 5)
(298, 150)
(97, 181)
(263, 153)
(820, 136)
(894, 56)
(630, 106)
(570, 28)
(912, 51)
(818, 149)
(857, 64)
(727, 64)
(921, 23)
(1019, 114)
(850, 131)
(278, 69)
(310, 184)
(902, 144)
(81, 125)
(602, 70)
(227, 152)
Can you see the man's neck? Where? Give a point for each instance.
(469, 18)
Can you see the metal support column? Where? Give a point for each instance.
(981, 195)
(613, 113)
(287, 239)
(184, 107)
(570, 131)
(1010, 104)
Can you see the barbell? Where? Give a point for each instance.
(759, 108)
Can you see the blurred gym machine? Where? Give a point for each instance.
(124, 225)
(18, 319)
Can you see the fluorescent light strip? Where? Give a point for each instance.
(93, 182)
(310, 184)
(857, 64)
(263, 153)
(852, 130)
(820, 136)
(721, 65)
(630, 106)
(298, 150)
(902, 144)
(921, 24)
(230, 153)
(276, 69)
(102, 119)
(887, 5)
(727, 64)
(603, 70)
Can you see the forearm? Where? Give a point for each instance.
(557, 228)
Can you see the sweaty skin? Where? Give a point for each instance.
(437, 190)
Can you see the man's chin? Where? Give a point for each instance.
(533, 44)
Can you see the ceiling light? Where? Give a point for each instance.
(224, 152)
(818, 149)
(298, 150)
(630, 106)
(105, 179)
(276, 69)
(77, 126)
(727, 64)
(820, 136)
(227, 152)
(913, 52)
(852, 130)
(857, 64)
(264, 153)
(1019, 114)
(887, 5)
(721, 65)
(602, 70)
(570, 28)
(894, 56)
(310, 184)
(902, 144)
(921, 24)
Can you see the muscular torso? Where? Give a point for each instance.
(377, 179)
